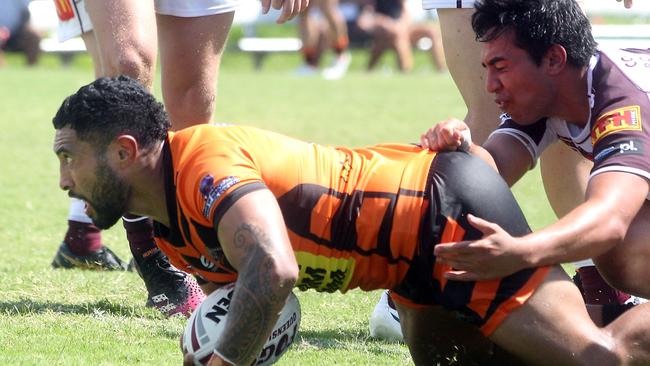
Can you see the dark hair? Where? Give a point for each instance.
(537, 25)
(108, 107)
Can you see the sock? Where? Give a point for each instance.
(310, 55)
(341, 45)
(139, 233)
(596, 291)
(83, 238)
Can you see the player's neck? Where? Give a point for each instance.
(572, 102)
(148, 188)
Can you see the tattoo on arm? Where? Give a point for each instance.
(251, 313)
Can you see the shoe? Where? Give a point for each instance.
(384, 321)
(170, 290)
(306, 70)
(103, 260)
(339, 67)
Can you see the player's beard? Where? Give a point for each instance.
(109, 198)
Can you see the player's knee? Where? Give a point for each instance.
(191, 105)
(623, 277)
(132, 61)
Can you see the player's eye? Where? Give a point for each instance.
(66, 159)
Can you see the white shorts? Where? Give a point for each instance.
(445, 4)
(74, 20)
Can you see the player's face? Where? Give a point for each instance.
(519, 85)
(87, 176)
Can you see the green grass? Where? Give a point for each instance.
(85, 318)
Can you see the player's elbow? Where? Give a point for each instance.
(287, 276)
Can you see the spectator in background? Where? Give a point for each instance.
(16, 32)
(391, 27)
(317, 35)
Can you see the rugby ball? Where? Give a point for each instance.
(206, 324)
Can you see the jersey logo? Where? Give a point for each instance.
(64, 9)
(621, 119)
(211, 192)
(628, 147)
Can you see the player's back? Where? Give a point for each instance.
(353, 214)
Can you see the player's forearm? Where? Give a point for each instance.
(260, 293)
(586, 232)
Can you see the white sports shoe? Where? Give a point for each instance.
(339, 67)
(633, 300)
(384, 320)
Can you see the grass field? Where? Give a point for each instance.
(84, 318)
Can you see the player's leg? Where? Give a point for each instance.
(82, 245)
(463, 55)
(124, 38)
(435, 337)
(626, 266)
(554, 319)
(190, 54)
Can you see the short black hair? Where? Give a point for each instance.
(108, 107)
(537, 25)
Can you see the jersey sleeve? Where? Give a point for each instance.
(535, 137)
(213, 178)
(621, 142)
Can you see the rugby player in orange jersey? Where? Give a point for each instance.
(270, 213)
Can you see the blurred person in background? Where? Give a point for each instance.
(392, 28)
(16, 32)
(317, 36)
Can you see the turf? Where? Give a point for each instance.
(70, 317)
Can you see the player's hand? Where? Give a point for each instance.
(627, 3)
(495, 255)
(449, 134)
(290, 8)
(218, 361)
(188, 359)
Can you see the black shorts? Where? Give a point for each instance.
(460, 184)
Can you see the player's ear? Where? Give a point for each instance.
(555, 59)
(124, 150)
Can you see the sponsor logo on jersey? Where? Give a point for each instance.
(322, 273)
(621, 119)
(211, 191)
(629, 147)
(64, 9)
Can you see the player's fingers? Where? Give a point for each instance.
(451, 250)
(287, 9)
(188, 359)
(266, 5)
(483, 226)
(277, 4)
(297, 8)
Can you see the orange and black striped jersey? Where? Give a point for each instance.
(353, 215)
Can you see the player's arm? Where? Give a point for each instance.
(511, 158)
(254, 239)
(503, 152)
(612, 201)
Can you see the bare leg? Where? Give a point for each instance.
(190, 53)
(124, 38)
(435, 336)
(625, 267)
(463, 55)
(555, 320)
